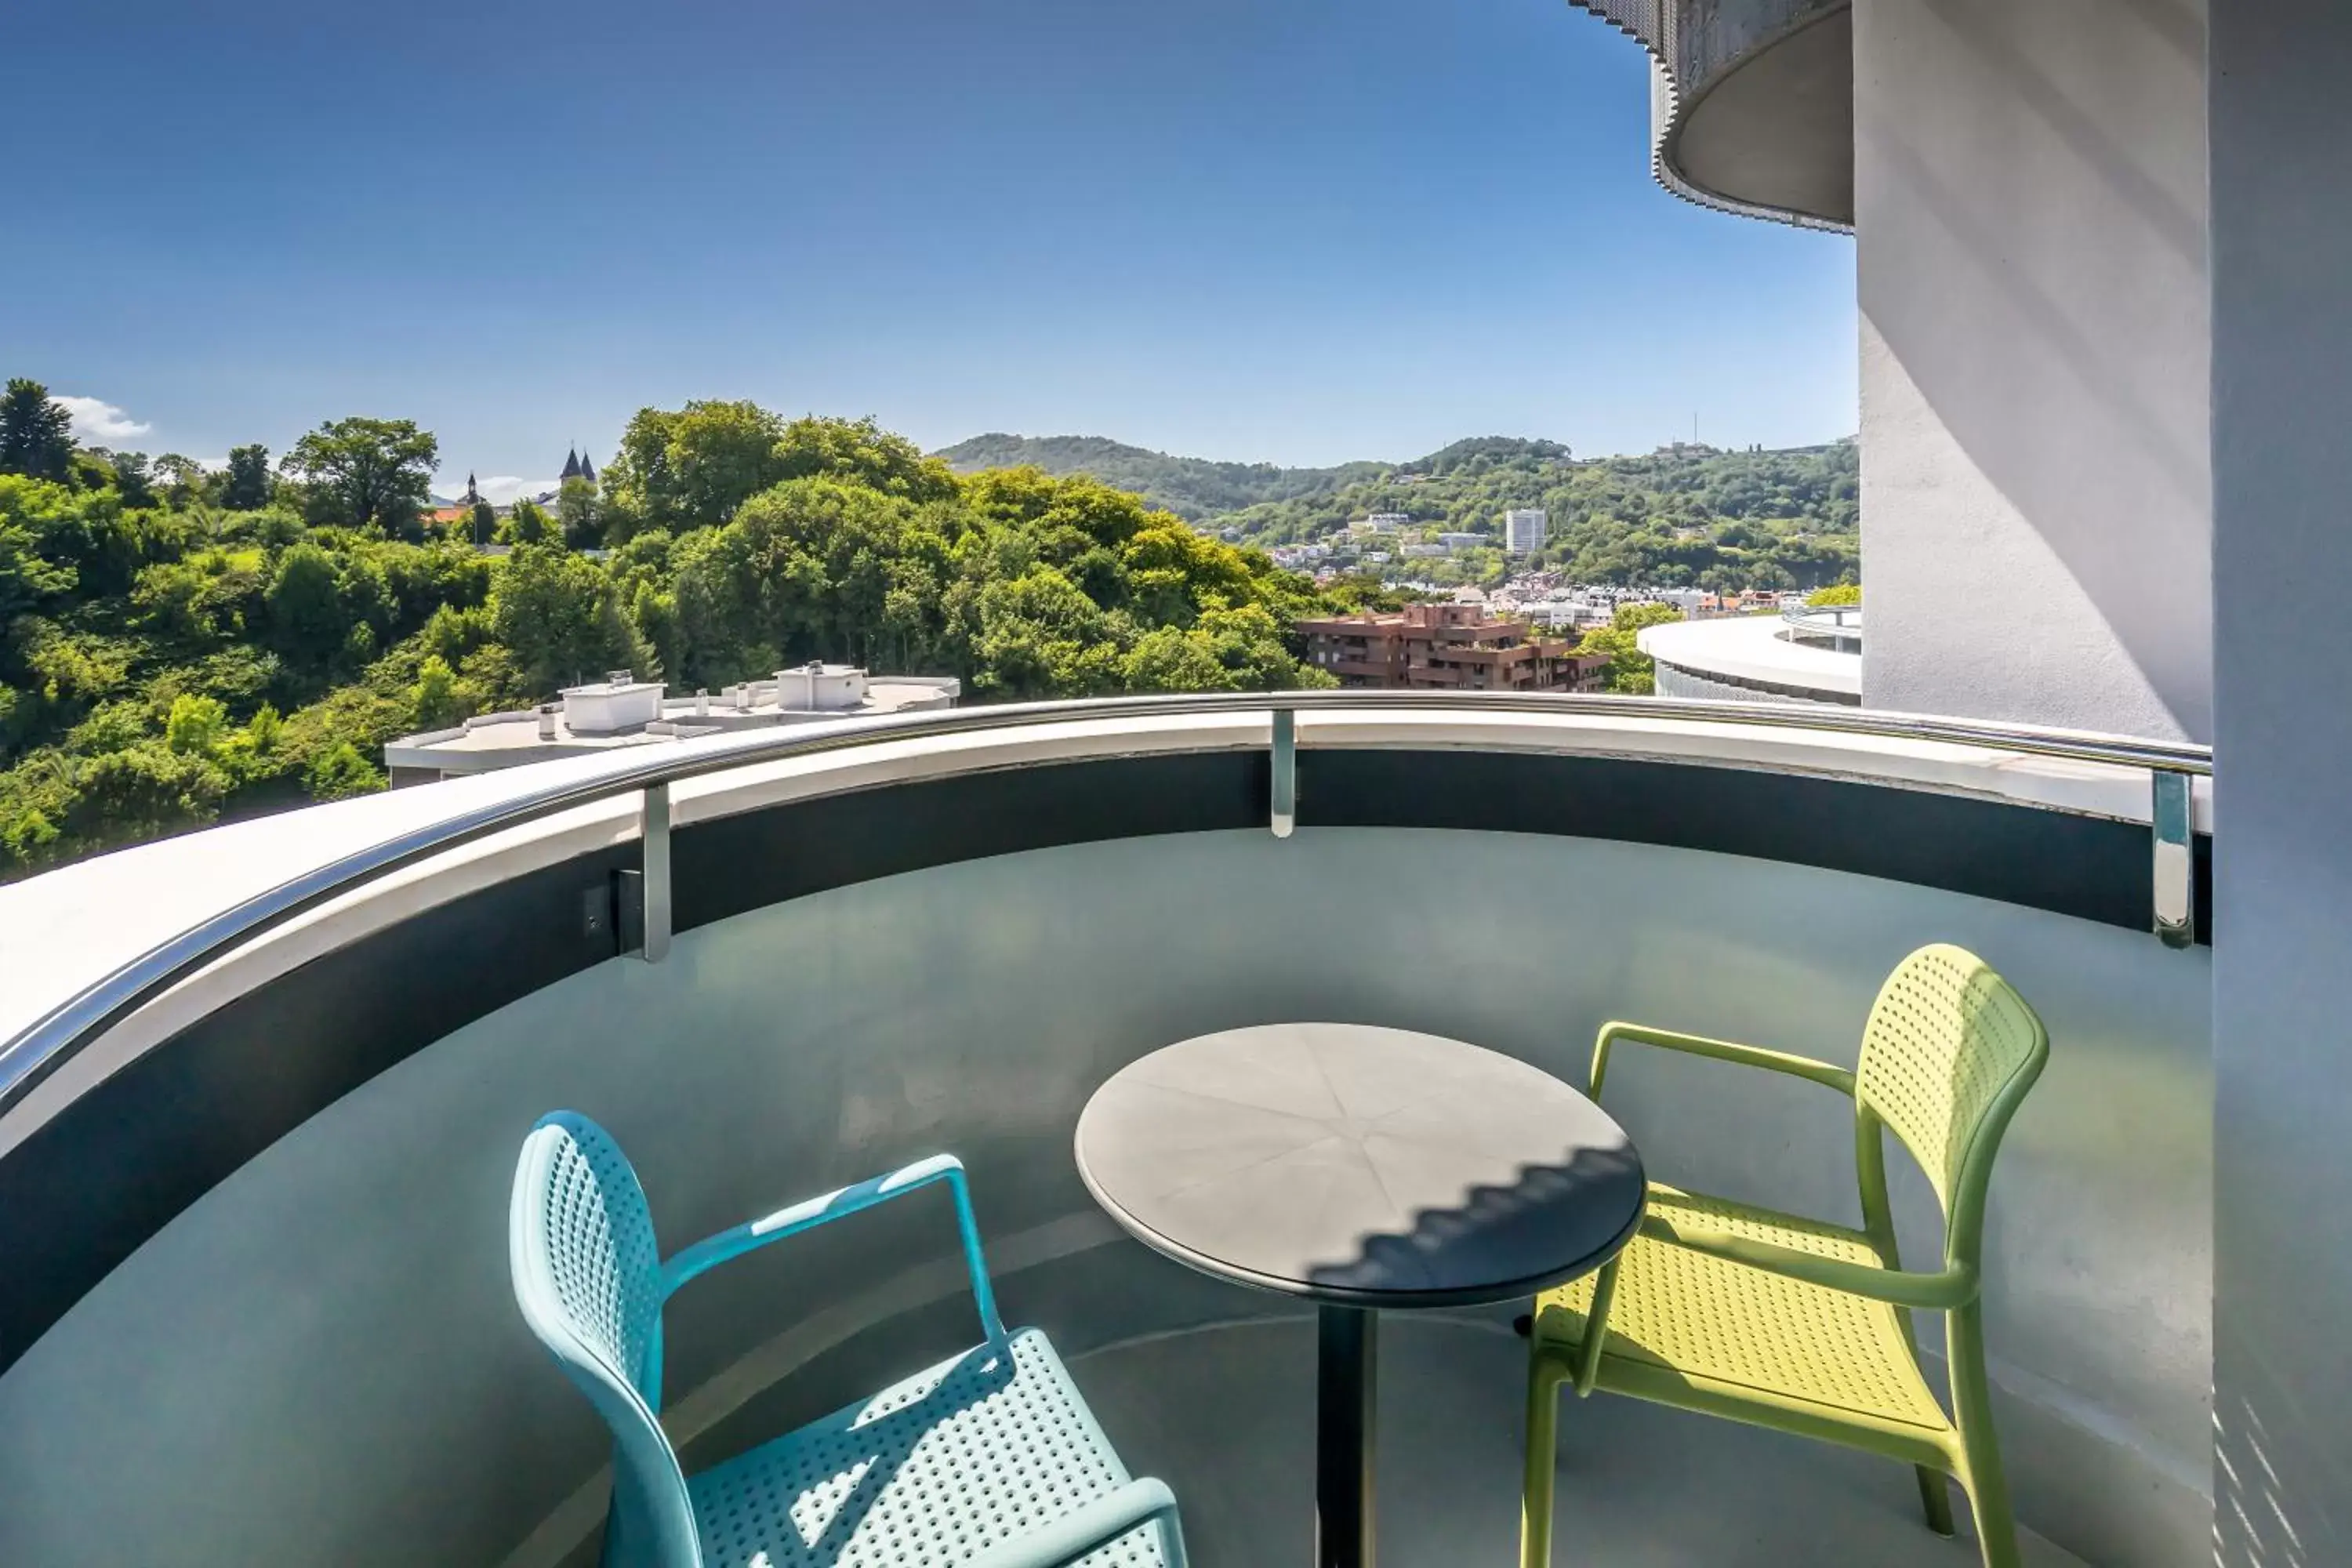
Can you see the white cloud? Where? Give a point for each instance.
(96, 420)
(500, 488)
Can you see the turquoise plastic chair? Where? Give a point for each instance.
(989, 1458)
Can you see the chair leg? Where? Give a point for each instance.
(1996, 1528)
(1935, 1497)
(1542, 1459)
(1980, 1471)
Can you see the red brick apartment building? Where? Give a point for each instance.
(1446, 647)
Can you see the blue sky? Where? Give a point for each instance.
(1295, 230)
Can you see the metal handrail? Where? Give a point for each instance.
(37, 1050)
(1829, 617)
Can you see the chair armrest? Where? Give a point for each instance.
(1954, 1287)
(1823, 1073)
(1097, 1524)
(712, 1251)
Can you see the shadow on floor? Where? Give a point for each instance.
(1226, 1417)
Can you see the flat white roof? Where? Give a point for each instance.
(504, 739)
(1750, 648)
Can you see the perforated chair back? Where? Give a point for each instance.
(580, 1243)
(1948, 1052)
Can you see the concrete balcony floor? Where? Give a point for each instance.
(1225, 1416)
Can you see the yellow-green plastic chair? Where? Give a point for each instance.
(1788, 1323)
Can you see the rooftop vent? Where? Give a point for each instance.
(820, 688)
(620, 702)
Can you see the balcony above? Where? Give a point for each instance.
(1752, 105)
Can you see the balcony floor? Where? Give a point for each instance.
(1641, 1487)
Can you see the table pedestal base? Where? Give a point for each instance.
(1346, 1365)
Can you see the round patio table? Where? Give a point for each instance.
(1367, 1169)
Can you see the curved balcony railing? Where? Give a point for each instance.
(50, 1039)
(264, 1132)
(1827, 622)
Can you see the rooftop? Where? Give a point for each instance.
(1756, 650)
(620, 712)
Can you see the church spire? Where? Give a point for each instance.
(473, 496)
(587, 469)
(571, 464)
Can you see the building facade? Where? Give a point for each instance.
(1524, 528)
(1446, 648)
(2101, 249)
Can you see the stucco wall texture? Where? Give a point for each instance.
(2282, 872)
(2030, 220)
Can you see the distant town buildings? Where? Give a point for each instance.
(576, 466)
(1446, 647)
(1524, 528)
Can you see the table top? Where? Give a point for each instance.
(1362, 1165)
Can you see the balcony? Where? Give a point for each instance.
(267, 1084)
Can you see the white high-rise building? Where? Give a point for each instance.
(1524, 528)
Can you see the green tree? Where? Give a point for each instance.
(193, 728)
(1226, 650)
(262, 730)
(172, 602)
(185, 482)
(1040, 637)
(862, 452)
(691, 467)
(527, 522)
(34, 516)
(143, 792)
(339, 773)
(132, 479)
(554, 612)
(304, 603)
(247, 488)
(367, 473)
(1631, 672)
(35, 432)
(1837, 594)
(435, 695)
(577, 511)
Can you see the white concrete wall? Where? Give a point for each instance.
(2282, 120)
(2031, 236)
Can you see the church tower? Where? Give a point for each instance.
(480, 519)
(571, 465)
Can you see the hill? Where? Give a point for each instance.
(1682, 515)
(179, 644)
(1194, 489)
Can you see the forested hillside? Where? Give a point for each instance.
(178, 645)
(1718, 520)
(1193, 488)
